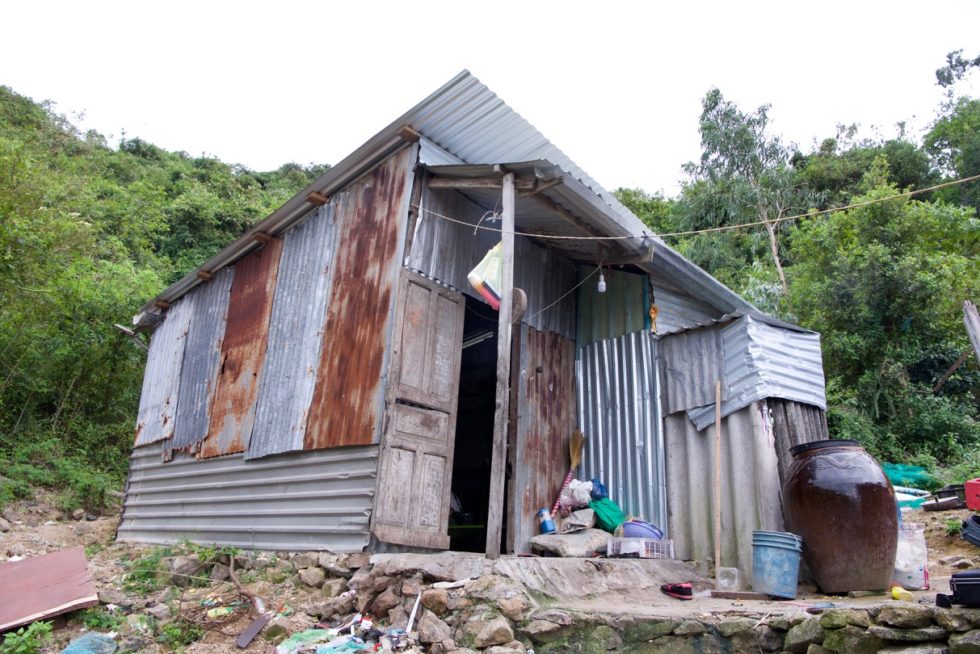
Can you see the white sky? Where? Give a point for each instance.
(616, 85)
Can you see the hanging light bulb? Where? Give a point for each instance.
(602, 283)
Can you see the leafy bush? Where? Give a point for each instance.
(27, 640)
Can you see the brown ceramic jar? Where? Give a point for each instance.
(839, 500)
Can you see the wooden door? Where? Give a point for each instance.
(415, 471)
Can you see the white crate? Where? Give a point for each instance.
(642, 548)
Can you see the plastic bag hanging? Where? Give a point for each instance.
(485, 277)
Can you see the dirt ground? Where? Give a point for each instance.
(37, 528)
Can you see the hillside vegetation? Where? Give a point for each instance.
(90, 230)
(88, 233)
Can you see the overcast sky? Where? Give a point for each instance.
(615, 85)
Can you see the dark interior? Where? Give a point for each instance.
(474, 429)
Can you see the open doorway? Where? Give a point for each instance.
(474, 429)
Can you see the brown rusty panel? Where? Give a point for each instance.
(242, 352)
(347, 396)
(546, 418)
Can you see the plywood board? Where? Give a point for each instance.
(44, 586)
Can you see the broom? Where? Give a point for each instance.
(575, 446)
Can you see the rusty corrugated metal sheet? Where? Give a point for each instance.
(295, 333)
(161, 379)
(202, 359)
(545, 420)
(243, 351)
(348, 396)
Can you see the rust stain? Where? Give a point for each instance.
(348, 386)
(242, 352)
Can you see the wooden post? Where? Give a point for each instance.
(495, 517)
(717, 477)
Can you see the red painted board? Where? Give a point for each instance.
(44, 586)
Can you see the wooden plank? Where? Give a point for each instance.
(45, 586)
(501, 412)
(480, 182)
(738, 595)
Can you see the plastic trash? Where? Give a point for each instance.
(727, 579)
(598, 489)
(309, 637)
(485, 278)
(911, 558)
(92, 643)
(901, 594)
(608, 515)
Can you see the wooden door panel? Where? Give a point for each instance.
(412, 502)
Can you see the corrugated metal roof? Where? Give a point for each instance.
(302, 501)
(619, 411)
(295, 332)
(765, 361)
(161, 379)
(202, 359)
(468, 121)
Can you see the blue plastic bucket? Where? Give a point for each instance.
(776, 563)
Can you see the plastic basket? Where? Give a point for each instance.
(640, 548)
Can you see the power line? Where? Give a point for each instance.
(819, 212)
(724, 228)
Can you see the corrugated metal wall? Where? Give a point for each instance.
(447, 252)
(749, 481)
(300, 501)
(679, 309)
(161, 378)
(691, 362)
(763, 361)
(202, 359)
(624, 307)
(349, 392)
(794, 423)
(289, 370)
(243, 351)
(545, 418)
(619, 411)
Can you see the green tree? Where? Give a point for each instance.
(744, 175)
(883, 284)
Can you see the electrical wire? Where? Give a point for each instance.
(563, 295)
(724, 228)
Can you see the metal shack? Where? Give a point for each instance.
(331, 380)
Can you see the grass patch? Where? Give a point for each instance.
(179, 634)
(97, 619)
(141, 575)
